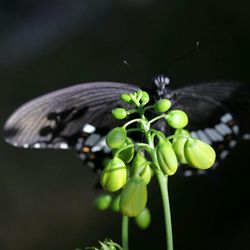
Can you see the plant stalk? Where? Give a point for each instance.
(125, 222)
(163, 183)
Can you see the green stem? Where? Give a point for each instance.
(163, 183)
(133, 130)
(125, 221)
(131, 111)
(144, 146)
(132, 121)
(159, 134)
(157, 118)
(147, 108)
(139, 145)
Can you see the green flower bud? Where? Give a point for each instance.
(119, 113)
(166, 157)
(114, 175)
(103, 201)
(178, 145)
(199, 154)
(145, 97)
(133, 197)
(143, 220)
(127, 154)
(115, 205)
(106, 245)
(140, 166)
(125, 98)
(177, 119)
(116, 137)
(162, 105)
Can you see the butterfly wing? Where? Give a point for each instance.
(232, 96)
(217, 113)
(55, 120)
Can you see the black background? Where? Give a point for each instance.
(46, 196)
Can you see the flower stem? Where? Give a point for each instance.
(125, 221)
(132, 121)
(157, 118)
(163, 183)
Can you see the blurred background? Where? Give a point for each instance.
(46, 196)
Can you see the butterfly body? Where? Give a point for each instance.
(78, 117)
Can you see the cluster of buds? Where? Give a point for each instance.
(134, 163)
(107, 244)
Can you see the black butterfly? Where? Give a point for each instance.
(78, 117)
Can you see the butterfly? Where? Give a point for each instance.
(79, 117)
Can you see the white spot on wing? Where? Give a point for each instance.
(224, 154)
(37, 145)
(246, 137)
(82, 156)
(236, 129)
(106, 150)
(92, 140)
(232, 144)
(25, 145)
(100, 145)
(87, 128)
(188, 173)
(63, 145)
(79, 143)
(213, 134)
(194, 134)
(201, 172)
(221, 129)
(226, 118)
(203, 137)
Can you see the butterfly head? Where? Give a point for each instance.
(161, 83)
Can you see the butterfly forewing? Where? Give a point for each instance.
(55, 120)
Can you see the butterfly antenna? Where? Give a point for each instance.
(190, 52)
(161, 81)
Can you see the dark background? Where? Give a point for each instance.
(46, 196)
